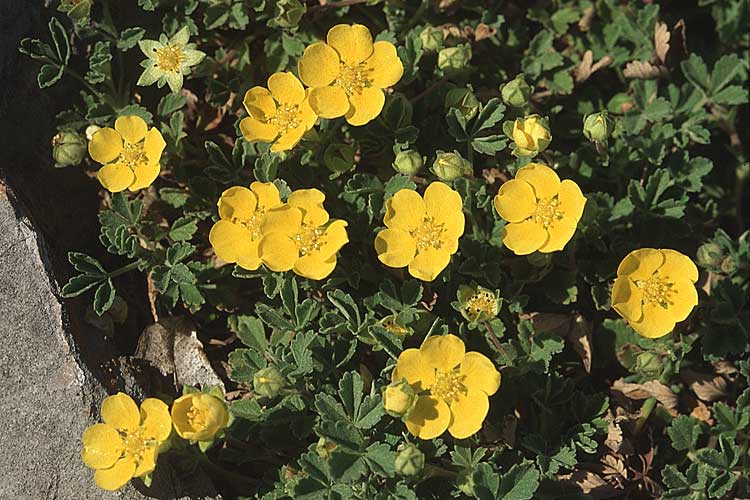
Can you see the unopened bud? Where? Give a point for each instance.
(432, 39)
(597, 127)
(453, 59)
(451, 166)
(409, 460)
(68, 148)
(399, 399)
(268, 382)
(408, 162)
(516, 92)
(464, 100)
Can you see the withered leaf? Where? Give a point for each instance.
(707, 387)
(661, 41)
(644, 70)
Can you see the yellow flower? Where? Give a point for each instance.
(199, 416)
(235, 238)
(299, 236)
(541, 211)
(421, 233)
(347, 74)
(280, 114)
(399, 398)
(130, 153)
(453, 387)
(530, 135)
(127, 443)
(654, 290)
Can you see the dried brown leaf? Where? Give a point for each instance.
(707, 387)
(661, 41)
(652, 388)
(580, 337)
(584, 24)
(591, 484)
(701, 412)
(583, 71)
(483, 31)
(644, 70)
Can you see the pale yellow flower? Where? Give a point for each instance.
(199, 416)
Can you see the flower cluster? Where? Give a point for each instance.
(128, 441)
(256, 228)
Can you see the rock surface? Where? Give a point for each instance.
(49, 397)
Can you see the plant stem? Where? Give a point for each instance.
(240, 482)
(650, 403)
(124, 269)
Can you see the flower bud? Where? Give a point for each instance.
(477, 303)
(464, 100)
(710, 255)
(728, 265)
(408, 162)
(268, 382)
(339, 157)
(530, 135)
(68, 148)
(409, 460)
(198, 416)
(597, 127)
(399, 399)
(432, 39)
(451, 166)
(288, 13)
(324, 448)
(648, 363)
(516, 92)
(454, 59)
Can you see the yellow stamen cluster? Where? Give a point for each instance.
(135, 444)
(547, 212)
(197, 418)
(309, 239)
(170, 58)
(657, 290)
(428, 234)
(481, 302)
(448, 386)
(132, 155)
(252, 223)
(353, 78)
(286, 117)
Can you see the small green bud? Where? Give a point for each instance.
(728, 265)
(710, 255)
(288, 13)
(516, 92)
(597, 126)
(454, 59)
(648, 363)
(409, 460)
(451, 166)
(432, 39)
(68, 148)
(399, 399)
(268, 382)
(464, 100)
(339, 157)
(324, 448)
(408, 162)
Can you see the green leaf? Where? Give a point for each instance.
(380, 459)
(346, 467)
(486, 482)
(328, 408)
(60, 41)
(183, 228)
(519, 483)
(489, 116)
(179, 252)
(721, 485)
(734, 94)
(85, 264)
(724, 71)
(104, 297)
(489, 145)
(350, 392)
(80, 284)
(684, 432)
(696, 72)
(369, 413)
(250, 331)
(168, 105)
(49, 75)
(342, 433)
(249, 409)
(129, 38)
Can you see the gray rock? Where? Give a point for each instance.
(47, 396)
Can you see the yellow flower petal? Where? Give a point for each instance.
(385, 68)
(249, 256)
(286, 88)
(469, 411)
(145, 174)
(627, 299)
(319, 65)
(267, 194)
(116, 476)
(314, 267)
(102, 446)
(543, 179)
(526, 237)
(180, 409)
(405, 210)
(479, 373)
(227, 240)
(105, 145)
(560, 232)
(310, 201)
(155, 420)
(429, 418)
(147, 462)
(571, 200)
(154, 145)
(288, 139)
(132, 128)
(329, 102)
(515, 201)
(260, 104)
(429, 263)
(443, 352)
(445, 206)
(641, 264)
(411, 366)
(121, 412)
(677, 265)
(254, 130)
(285, 219)
(237, 202)
(353, 43)
(684, 298)
(115, 177)
(306, 114)
(522, 138)
(334, 237)
(365, 106)
(278, 251)
(656, 322)
(395, 248)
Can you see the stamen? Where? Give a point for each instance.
(135, 444)
(133, 155)
(309, 239)
(428, 234)
(170, 58)
(481, 302)
(353, 78)
(197, 418)
(547, 212)
(448, 386)
(286, 117)
(656, 290)
(252, 223)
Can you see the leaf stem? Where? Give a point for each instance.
(125, 269)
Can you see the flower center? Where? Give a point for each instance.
(547, 211)
(481, 302)
(656, 290)
(252, 223)
(197, 419)
(353, 78)
(393, 327)
(170, 58)
(132, 154)
(428, 234)
(136, 444)
(448, 386)
(309, 239)
(286, 117)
